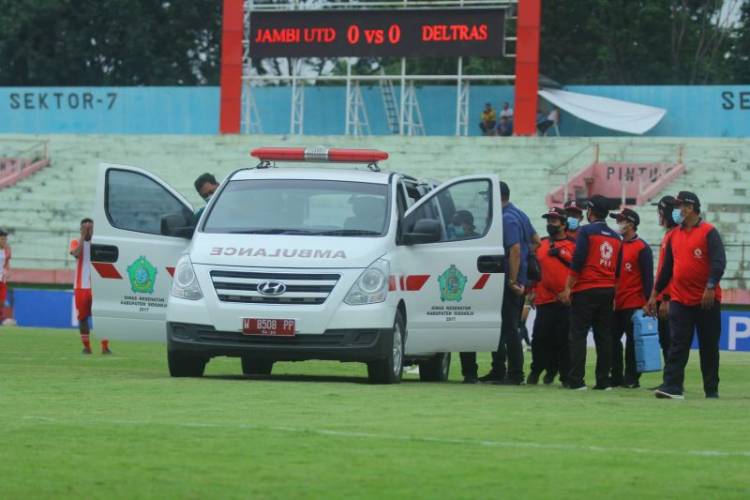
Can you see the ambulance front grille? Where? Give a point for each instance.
(300, 289)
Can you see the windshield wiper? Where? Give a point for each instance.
(272, 231)
(348, 232)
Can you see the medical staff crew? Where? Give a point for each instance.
(664, 211)
(590, 290)
(694, 262)
(575, 217)
(635, 280)
(549, 344)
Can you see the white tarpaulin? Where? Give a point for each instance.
(609, 113)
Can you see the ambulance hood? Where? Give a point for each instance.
(256, 250)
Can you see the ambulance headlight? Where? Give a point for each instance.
(185, 283)
(372, 285)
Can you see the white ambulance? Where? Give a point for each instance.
(291, 264)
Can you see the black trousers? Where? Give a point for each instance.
(683, 322)
(469, 367)
(591, 308)
(664, 335)
(549, 344)
(622, 322)
(510, 339)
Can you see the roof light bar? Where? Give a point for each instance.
(320, 153)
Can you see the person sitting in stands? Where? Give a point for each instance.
(489, 120)
(505, 127)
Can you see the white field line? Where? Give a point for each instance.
(404, 438)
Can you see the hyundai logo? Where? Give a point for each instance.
(271, 288)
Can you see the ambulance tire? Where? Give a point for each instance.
(389, 370)
(182, 364)
(435, 369)
(256, 366)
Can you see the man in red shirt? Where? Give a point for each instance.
(549, 345)
(664, 211)
(694, 262)
(81, 250)
(635, 280)
(590, 290)
(4, 271)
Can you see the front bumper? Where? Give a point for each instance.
(338, 345)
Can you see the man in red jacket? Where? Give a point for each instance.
(694, 262)
(549, 345)
(635, 279)
(590, 290)
(664, 211)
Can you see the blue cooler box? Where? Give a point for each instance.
(646, 338)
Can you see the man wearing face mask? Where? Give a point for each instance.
(206, 186)
(575, 217)
(590, 291)
(549, 345)
(694, 262)
(664, 211)
(635, 279)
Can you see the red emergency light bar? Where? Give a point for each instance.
(320, 153)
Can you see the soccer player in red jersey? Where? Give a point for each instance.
(590, 291)
(4, 271)
(549, 345)
(81, 250)
(635, 280)
(694, 263)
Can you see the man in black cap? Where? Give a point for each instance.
(664, 211)
(590, 290)
(694, 262)
(575, 217)
(635, 279)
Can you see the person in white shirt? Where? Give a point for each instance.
(4, 271)
(507, 112)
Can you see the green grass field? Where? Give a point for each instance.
(120, 427)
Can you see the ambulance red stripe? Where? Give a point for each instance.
(481, 282)
(106, 270)
(415, 282)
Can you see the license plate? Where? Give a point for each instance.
(269, 327)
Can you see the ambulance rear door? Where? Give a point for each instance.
(141, 228)
(451, 279)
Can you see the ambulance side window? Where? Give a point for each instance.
(135, 202)
(464, 210)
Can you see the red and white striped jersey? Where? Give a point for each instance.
(83, 266)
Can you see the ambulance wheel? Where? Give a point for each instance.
(435, 369)
(256, 366)
(182, 364)
(388, 370)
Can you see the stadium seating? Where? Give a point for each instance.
(43, 211)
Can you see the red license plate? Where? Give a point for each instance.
(270, 327)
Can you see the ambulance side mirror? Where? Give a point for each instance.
(181, 225)
(424, 231)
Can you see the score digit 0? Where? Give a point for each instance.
(352, 34)
(394, 34)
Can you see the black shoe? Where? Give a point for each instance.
(548, 379)
(662, 393)
(490, 378)
(712, 395)
(106, 351)
(599, 387)
(86, 350)
(631, 385)
(533, 378)
(472, 379)
(581, 387)
(511, 381)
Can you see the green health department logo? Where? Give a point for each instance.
(452, 283)
(142, 275)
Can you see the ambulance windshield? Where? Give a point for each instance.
(293, 206)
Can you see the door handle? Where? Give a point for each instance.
(491, 264)
(104, 253)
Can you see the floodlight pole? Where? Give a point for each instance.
(402, 107)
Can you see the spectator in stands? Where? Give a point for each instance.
(81, 250)
(664, 210)
(554, 117)
(635, 280)
(694, 263)
(488, 120)
(575, 217)
(206, 186)
(505, 127)
(549, 345)
(4, 271)
(590, 291)
(543, 122)
(507, 112)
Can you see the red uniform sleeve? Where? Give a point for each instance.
(73, 245)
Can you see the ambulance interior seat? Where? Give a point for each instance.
(369, 213)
